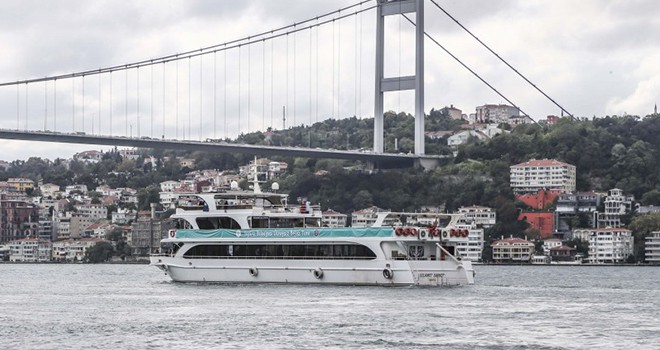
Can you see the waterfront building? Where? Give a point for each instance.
(512, 250)
(30, 250)
(478, 215)
(73, 250)
(18, 218)
(331, 218)
(472, 249)
(365, 217)
(562, 253)
(535, 175)
(652, 248)
(617, 204)
(571, 206)
(146, 233)
(610, 245)
(550, 243)
(5, 252)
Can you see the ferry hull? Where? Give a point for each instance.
(372, 272)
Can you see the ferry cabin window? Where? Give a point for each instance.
(212, 223)
(348, 251)
(275, 222)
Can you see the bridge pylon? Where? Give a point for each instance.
(415, 82)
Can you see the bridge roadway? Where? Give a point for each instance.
(378, 160)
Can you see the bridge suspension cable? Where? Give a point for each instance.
(501, 59)
(251, 39)
(469, 69)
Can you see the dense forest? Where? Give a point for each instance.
(609, 152)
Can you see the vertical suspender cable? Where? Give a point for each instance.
(111, 104)
(163, 111)
(263, 85)
(189, 98)
(18, 108)
(137, 93)
(26, 106)
(295, 56)
(55, 105)
(215, 93)
(73, 104)
(83, 103)
(176, 124)
(126, 101)
(99, 109)
(201, 83)
(317, 70)
(248, 85)
(45, 105)
(272, 58)
(151, 107)
(309, 116)
(225, 101)
(355, 68)
(239, 89)
(333, 68)
(286, 104)
(339, 66)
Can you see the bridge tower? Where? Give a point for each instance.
(416, 82)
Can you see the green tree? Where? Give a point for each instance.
(98, 253)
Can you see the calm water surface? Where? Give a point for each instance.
(510, 307)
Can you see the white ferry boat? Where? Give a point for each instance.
(255, 237)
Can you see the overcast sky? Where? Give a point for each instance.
(594, 57)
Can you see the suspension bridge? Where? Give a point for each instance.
(291, 76)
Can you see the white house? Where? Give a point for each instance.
(333, 218)
(610, 245)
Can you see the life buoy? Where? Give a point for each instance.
(318, 273)
(388, 273)
(407, 232)
(172, 233)
(398, 231)
(433, 232)
(453, 232)
(466, 233)
(253, 271)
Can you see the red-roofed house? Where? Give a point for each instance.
(540, 199)
(540, 221)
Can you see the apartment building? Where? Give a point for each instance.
(549, 174)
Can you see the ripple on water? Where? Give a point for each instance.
(510, 307)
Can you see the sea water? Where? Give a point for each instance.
(509, 307)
